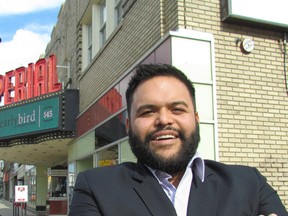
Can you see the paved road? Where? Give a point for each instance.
(6, 209)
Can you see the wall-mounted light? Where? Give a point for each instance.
(247, 45)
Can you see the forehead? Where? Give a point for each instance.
(160, 80)
(161, 88)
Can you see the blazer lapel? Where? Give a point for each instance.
(202, 199)
(151, 193)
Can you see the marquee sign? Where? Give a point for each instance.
(30, 117)
(30, 82)
(46, 117)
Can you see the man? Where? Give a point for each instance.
(170, 177)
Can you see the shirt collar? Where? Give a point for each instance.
(196, 163)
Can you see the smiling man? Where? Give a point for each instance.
(164, 128)
(170, 177)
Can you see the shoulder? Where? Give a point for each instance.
(109, 172)
(244, 185)
(234, 173)
(104, 180)
(214, 165)
(218, 165)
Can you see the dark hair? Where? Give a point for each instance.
(147, 71)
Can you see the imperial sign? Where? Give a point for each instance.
(33, 81)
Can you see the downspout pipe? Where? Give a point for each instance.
(285, 57)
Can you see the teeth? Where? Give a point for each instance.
(168, 136)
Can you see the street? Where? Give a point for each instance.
(6, 209)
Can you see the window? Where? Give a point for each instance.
(111, 131)
(194, 56)
(98, 23)
(103, 16)
(57, 186)
(118, 11)
(89, 42)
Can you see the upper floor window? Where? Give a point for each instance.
(89, 42)
(99, 22)
(118, 11)
(103, 19)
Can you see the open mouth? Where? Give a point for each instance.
(165, 137)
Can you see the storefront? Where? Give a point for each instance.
(57, 191)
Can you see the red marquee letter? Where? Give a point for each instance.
(53, 84)
(1, 86)
(20, 84)
(40, 78)
(30, 83)
(8, 88)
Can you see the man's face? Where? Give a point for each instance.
(163, 126)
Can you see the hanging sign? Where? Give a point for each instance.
(21, 193)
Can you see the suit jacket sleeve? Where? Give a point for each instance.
(269, 200)
(235, 190)
(83, 202)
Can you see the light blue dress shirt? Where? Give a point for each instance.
(180, 196)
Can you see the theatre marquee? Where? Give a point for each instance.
(46, 117)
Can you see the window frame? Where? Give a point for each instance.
(118, 11)
(103, 20)
(89, 42)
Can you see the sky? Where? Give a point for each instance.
(25, 30)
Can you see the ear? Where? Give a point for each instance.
(197, 117)
(127, 125)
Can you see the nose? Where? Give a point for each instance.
(164, 117)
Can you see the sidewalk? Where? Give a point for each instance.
(6, 209)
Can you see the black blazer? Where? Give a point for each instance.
(130, 189)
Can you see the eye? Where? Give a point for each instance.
(146, 113)
(178, 110)
(179, 107)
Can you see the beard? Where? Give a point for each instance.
(175, 163)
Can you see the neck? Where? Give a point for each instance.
(176, 178)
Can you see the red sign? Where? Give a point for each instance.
(33, 81)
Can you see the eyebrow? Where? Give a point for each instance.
(179, 103)
(151, 106)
